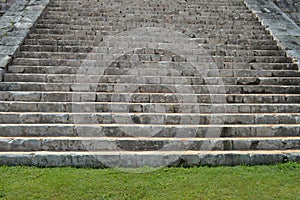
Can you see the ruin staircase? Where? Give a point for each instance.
(149, 83)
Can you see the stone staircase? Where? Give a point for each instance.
(157, 83)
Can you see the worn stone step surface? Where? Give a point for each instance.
(129, 159)
(166, 67)
(146, 57)
(206, 25)
(178, 80)
(71, 28)
(228, 52)
(115, 71)
(99, 48)
(99, 33)
(43, 96)
(146, 144)
(168, 107)
(260, 45)
(149, 118)
(142, 130)
(149, 88)
(162, 68)
(209, 36)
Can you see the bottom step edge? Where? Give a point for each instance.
(147, 159)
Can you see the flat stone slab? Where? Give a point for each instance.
(141, 159)
(284, 30)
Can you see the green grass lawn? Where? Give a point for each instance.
(260, 182)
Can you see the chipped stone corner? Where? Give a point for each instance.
(4, 61)
(284, 30)
(15, 25)
(295, 54)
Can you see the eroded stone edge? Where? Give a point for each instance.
(15, 24)
(284, 30)
(75, 159)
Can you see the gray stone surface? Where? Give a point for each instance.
(15, 24)
(284, 30)
(291, 8)
(5, 5)
(131, 160)
(130, 83)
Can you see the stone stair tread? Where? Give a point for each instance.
(157, 113)
(98, 39)
(151, 152)
(122, 77)
(80, 55)
(227, 52)
(67, 28)
(54, 96)
(166, 64)
(132, 159)
(150, 125)
(180, 139)
(148, 118)
(207, 72)
(146, 144)
(175, 107)
(149, 88)
(153, 130)
(150, 103)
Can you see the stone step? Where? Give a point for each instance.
(119, 65)
(88, 49)
(147, 8)
(26, 144)
(113, 32)
(44, 96)
(208, 24)
(205, 35)
(144, 14)
(91, 38)
(145, 5)
(164, 107)
(203, 57)
(129, 159)
(65, 42)
(129, 24)
(99, 34)
(156, 17)
(68, 4)
(50, 48)
(193, 4)
(133, 79)
(247, 53)
(99, 50)
(142, 130)
(160, 40)
(86, 43)
(181, 20)
(150, 88)
(222, 47)
(149, 118)
(169, 69)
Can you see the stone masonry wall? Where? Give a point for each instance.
(290, 7)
